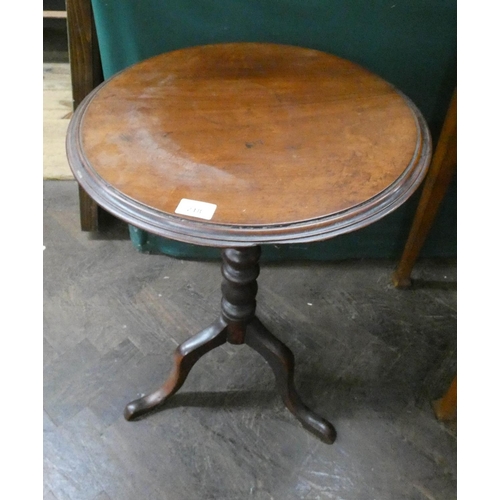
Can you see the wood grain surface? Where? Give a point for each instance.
(289, 144)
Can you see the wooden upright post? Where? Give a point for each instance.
(441, 171)
(86, 74)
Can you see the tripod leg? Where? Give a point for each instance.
(280, 358)
(186, 355)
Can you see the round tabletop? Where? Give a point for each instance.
(248, 143)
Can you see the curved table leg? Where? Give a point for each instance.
(280, 358)
(186, 355)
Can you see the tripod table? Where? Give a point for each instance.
(240, 145)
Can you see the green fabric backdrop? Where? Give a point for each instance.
(410, 43)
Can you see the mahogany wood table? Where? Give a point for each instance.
(239, 145)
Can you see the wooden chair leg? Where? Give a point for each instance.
(89, 212)
(441, 171)
(446, 407)
(86, 74)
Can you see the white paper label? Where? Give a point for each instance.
(194, 208)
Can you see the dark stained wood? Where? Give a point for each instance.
(89, 211)
(186, 355)
(86, 74)
(85, 60)
(441, 172)
(280, 358)
(237, 325)
(291, 144)
(240, 269)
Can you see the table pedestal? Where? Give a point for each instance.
(238, 324)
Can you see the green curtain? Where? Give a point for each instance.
(410, 43)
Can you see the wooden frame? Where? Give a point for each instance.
(86, 74)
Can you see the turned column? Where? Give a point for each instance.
(240, 269)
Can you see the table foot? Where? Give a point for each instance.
(186, 355)
(237, 325)
(280, 358)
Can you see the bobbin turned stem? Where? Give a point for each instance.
(240, 269)
(238, 324)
